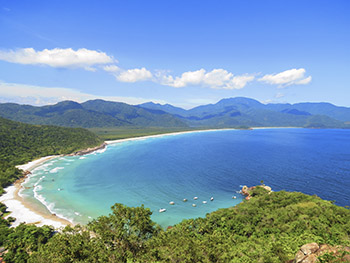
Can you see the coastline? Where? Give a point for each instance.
(25, 212)
(186, 132)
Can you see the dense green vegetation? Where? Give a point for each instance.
(267, 228)
(21, 143)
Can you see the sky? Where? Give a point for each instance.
(183, 52)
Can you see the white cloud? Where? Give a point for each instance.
(216, 79)
(240, 82)
(57, 58)
(303, 81)
(38, 95)
(287, 78)
(134, 75)
(111, 68)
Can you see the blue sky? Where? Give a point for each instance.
(184, 53)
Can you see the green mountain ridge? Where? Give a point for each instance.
(93, 113)
(227, 113)
(241, 111)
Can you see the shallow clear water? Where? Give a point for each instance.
(156, 171)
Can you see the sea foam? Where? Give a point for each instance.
(55, 170)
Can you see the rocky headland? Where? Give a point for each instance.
(248, 192)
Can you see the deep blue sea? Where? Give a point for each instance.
(215, 164)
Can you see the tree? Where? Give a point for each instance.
(125, 231)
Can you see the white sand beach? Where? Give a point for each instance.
(23, 210)
(164, 134)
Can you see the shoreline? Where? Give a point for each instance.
(193, 131)
(25, 212)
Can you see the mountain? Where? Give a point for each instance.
(94, 113)
(133, 115)
(233, 112)
(166, 107)
(230, 112)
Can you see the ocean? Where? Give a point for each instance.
(156, 171)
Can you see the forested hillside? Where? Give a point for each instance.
(21, 143)
(267, 228)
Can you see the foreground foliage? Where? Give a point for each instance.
(267, 228)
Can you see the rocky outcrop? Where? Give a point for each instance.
(246, 191)
(309, 253)
(89, 150)
(25, 173)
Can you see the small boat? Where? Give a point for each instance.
(162, 210)
(234, 197)
(172, 203)
(185, 200)
(211, 198)
(195, 198)
(194, 205)
(204, 202)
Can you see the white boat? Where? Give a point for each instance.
(211, 198)
(195, 198)
(194, 205)
(172, 203)
(204, 202)
(162, 210)
(234, 197)
(185, 200)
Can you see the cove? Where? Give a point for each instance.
(155, 171)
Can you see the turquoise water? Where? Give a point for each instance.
(156, 171)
